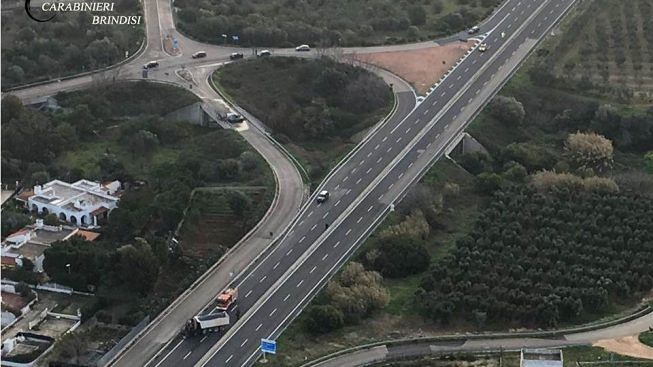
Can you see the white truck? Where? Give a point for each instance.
(202, 324)
(216, 319)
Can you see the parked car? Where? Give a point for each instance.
(303, 48)
(151, 64)
(483, 47)
(236, 56)
(322, 196)
(234, 118)
(264, 53)
(475, 29)
(199, 54)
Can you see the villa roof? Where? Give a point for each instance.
(88, 235)
(99, 210)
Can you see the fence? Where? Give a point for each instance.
(643, 310)
(612, 363)
(35, 321)
(108, 356)
(54, 287)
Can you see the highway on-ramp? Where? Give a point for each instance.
(421, 347)
(364, 188)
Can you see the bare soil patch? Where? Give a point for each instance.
(420, 67)
(628, 346)
(14, 300)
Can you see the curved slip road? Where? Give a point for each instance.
(362, 189)
(181, 351)
(159, 23)
(365, 187)
(418, 348)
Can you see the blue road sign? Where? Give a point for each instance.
(268, 346)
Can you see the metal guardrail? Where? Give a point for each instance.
(293, 159)
(108, 356)
(642, 311)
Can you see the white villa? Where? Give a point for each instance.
(31, 242)
(82, 203)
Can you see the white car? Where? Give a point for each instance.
(322, 196)
(265, 53)
(303, 48)
(151, 65)
(475, 29)
(482, 47)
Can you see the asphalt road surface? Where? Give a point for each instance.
(188, 351)
(364, 188)
(425, 348)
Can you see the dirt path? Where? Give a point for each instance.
(420, 67)
(628, 346)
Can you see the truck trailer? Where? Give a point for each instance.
(218, 318)
(211, 322)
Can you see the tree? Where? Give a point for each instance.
(532, 156)
(515, 173)
(143, 142)
(51, 220)
(228, 169)
(248, 161)
(330, 82)
(83, 120)
(72, 347)
(417, 15)
(13, 221)
(648, 162)
(137, 266)
(589, 150)
(416, 224)
(28, 265)
(39, 178)
(75, 262)
(15, 73)
(322, 319)
(437, 6)
(357, 292)
(239, 203)
(487, 183)
(475, 162)
(110, 167)
(103, 52)
(398, 256)
(480, 317)
(12, 108)
(507, 109)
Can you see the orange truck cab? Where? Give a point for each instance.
(226, 298)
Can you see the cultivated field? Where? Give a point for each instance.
(609, 43)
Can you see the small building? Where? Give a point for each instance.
(31, 242)
(541, 358)
(82, 203)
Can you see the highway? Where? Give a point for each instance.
(364, 188)
(158, 17)
(161, 335)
